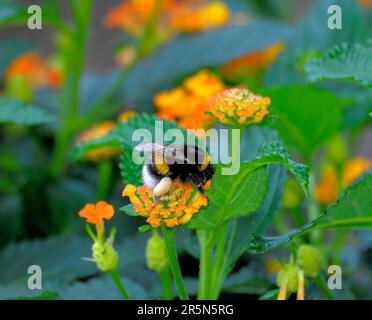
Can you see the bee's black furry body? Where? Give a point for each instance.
(193, 168)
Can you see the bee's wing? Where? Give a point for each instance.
(171, 153)
(149, 148)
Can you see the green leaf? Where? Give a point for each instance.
(60, 257)
(273, 152)
(243, 193)
(345, 62)
(101, 288)
(352, 210)
(307, 116)
(45, 295)
(15, 111)
(130, 171)
(13, 12)
(359, 113)
(189, 53)
(144, 228)
(97, 288)
(128, 209)
(270, 295)
(121, 135)
(311, 34)
(260, 220)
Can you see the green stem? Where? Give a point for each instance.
(321, 283)
(147, 39)
(116, 277)
(173, 261)
(70, 92)
(142, 47)
(166, 283)
(205, 268)
(219, 256)
(105, 177)
(337, 245)
(223, 269)
(313, 211)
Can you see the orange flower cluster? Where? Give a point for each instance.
(237, 107)
(95, 213)
(96, 132)
(252, 62)
(173, 208)
(327, 190)
(188, 103)
(207, 16)
(35, 69)
(124, 116)
(366, 3)
(187, 16)
(99, 131)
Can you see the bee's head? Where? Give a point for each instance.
(204, 174)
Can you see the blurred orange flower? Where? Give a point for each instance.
(173, 208)
(124, 116)
(96, 132)
(186, 16)
(253, 61)
(131, 15)
(327, 190)
(366, 3)
(188, 103)
(354, 168)
(95, 213)
(238, 107)
(33, 67)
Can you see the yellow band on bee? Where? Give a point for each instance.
(161, 165)
(205, 163)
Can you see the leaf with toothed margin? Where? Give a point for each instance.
(343, 62)
(16, 111)
(353, 209)
(242, 194)
(121, 135)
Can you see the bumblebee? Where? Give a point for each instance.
(169, 162)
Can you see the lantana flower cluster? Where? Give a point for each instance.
(252, 62)
(174, 16)
(238, 107)
(103, 252)
(99, 131)
(327, 190)
(188, 103)
(171, 209)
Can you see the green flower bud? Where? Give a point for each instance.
(19, 87)
(292, 195)
(337, 149)
(105, 256)
(156, 253)
(309, 260)
(289, 274)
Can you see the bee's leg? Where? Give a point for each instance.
(201, 190)
(162, 187)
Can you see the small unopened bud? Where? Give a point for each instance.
(292, 195)
(337, 149)
(105, 256)
(288, 276)
(156, 253)
(309, 260)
